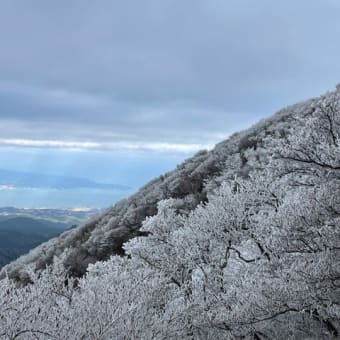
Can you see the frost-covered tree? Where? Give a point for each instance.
(258, 258)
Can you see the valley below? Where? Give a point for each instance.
(23, 229)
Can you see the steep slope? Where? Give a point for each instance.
(259, 258)
(192, 181)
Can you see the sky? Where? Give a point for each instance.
(121, 91)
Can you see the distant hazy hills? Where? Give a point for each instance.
(59, 216)
(24, 229)
(18, 179)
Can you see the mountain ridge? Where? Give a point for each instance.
(241, 242)
(192, 181)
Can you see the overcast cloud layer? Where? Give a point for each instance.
(159, 75)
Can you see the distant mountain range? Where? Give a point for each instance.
(11, 178)
(24, 229)
(62, 216)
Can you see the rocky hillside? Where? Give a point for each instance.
(192, 182)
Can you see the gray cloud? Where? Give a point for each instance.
(159, 71)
